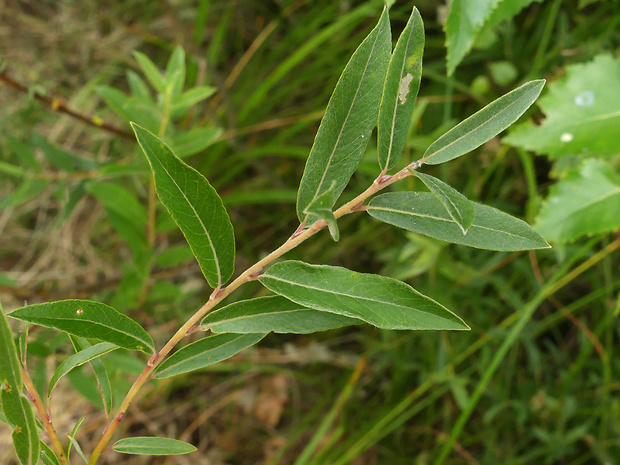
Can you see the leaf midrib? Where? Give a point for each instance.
(474, 225)
(305, 286)
(215, 257)
(337, 142)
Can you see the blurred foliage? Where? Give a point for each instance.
(265, 70)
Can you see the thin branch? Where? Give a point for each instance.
(60, 106)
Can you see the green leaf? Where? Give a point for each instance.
(584, 202)
(130, 108)
(19, 414)
(195, 207)
(77, 360)
(29, 189)
(24, 154)
(48, 457)
(423, 213)
(378, 300)
(88, 319)
(582, 113)
(173, 256)
(16, 408)
(175, 71)
(321, 209)
(125, 212)
(101, 374)
(350, 117)
(153, 446)
(273, 313)
(77, 447)
(464, 21)
(193, 141)
(138, 87)
(61, 158)
(400, 91)
(151, 72)
(73, 441)
(189, 98)
(483, 125)
(205, 352)
(460, 208)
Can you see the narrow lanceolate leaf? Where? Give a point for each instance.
(153, 446)
(79, 359)
(483, 125)
(321, 209)
(205, 352)
(48, 457)
(80, 344)
(273, 313)
(20, 416)
(350, 117)
(423, 213)
(17, 410)
(384, 302)
(88, 319)
(195, 206)
(459, 207)
(400, 91)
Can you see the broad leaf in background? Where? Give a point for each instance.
(349, 119)
(77, 360)
(378, 300)
(585, 201)
(483, 125)
(27, 190)
(582, 113)
(423, 213)
(321, 209)
(80, 344)
(464, 21)
(152, 446)
(140, 110)
(460, 208)
(205, 352)
(175, 71)
(400, 92)
(273, 313)
(16, 408)
(468, 19)
(88, 319)
(195, 206)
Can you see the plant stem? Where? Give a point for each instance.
(219, 294)
(45, 417)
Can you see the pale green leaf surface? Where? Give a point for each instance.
(101, 374)
(400, 92)
(582, 112)
(48, 457)
(88, 319)
(349, 119)
(273, 313)
(584, 202)
(151, 72)
(205, 352)
(189, 98)
(193, 141)
(383, 302)
(460, 208)
(175, 71)
(483, 125)
(152, 446)
(195, 207)
(19, 414)
(464, 21)
(423, 213)
(138, 87)
(321, 209)
(16, 409)
(29, 189)
(77, 447)
(77, 360)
